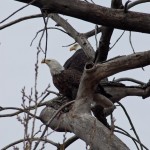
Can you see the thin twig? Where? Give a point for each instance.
(132, 126)
(20, 20)
(127, 134)
(117, 40)
(92, 32)
(129, 79)
(132, 45)
(47, 29)
(134, 3)
(27, 109)
(131, 42)
(17, 11)
(96, 28)
(131, 138)
(27, 139)
(47, 124)
(46, 40)
(69, 44)
(16, 113)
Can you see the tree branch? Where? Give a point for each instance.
(80, 38)
(132, 21)
(27, 139)
(70, 141)
(103, 49)
(92, 32)
(129, 79)
(77, 123)
(20, 20)
(93, 74)
(123, 63)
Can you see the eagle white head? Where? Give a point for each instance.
(75, 47)
(54, 65)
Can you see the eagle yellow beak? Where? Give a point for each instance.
(72, 48)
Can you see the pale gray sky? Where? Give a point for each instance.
(17, 61)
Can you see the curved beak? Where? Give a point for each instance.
(72, 48)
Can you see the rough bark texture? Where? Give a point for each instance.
(125, 91)
(78, 118)
(92, 76)
(132, 21)
(123, 63)
(85, 124)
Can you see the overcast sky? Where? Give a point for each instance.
(17, 61)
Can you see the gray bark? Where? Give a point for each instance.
(97, 135)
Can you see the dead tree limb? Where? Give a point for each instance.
(131, 21)
(84, 124)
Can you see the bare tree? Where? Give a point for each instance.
(75, 116)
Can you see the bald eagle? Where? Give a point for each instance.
(66, 81)
(77, 61)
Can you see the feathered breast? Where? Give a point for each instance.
(67, 82)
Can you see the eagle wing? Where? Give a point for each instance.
(67, 82)
(77, 61)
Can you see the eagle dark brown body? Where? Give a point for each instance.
(77, 61)
(67, 82)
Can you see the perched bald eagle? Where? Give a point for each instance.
(66, 81)
(77, 61)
